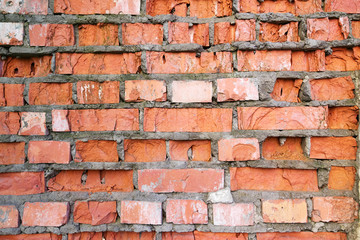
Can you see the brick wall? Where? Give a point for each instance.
(179, 119)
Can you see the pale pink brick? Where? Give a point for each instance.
(186, 212)
(239, 149)
(284, 211)
(60, 122)
(11, 33)
(24, 6)
(237, 214)
(237, 89)
(191, 91)
(245, 30)
(141, 212)
(33, 123)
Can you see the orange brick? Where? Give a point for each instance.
(141, 212)
(96, 151)
(355, 28)
(302, 236)
(199, 150)
(42, 236)
(332, 89)
(263, 60)
(291, 149)
(181, 33)
(145, 90)
(328, 29)
(287, 90)
(100, 34)
(333, 148)
(51, 35)
(89, 92)
(9, 123)
(273, 32)
(144, 150)
(9, 216)
(284, 211)
(239, 149)
(52, 214)
(161, 7)
(50, 94)
(342, 178)
(343, 59)
(313, 61)
(49, 152)
(142, 33)
(25, 67)
(186, 211)
(95, 213)
(343, 117)
(348, 6)
(12, 153)
(22, 183)
(11, 94)
(196, 235)
(238, 214)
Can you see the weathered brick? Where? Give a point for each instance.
(237, 89)
(283, 149)
(86, 236)
(239, 149)
(11, 33)
(50, 94)
(343, 59)
(180, 211)
(96, 151)
(277, 179)
(187, 62)
(141, 212)
(238, 214)
(97, 7)
(160, 7)
(100, 34)
(41, 236)
(95, 213)
(153, 150)
(302, 236)
(343, 117)
(11, 94)
(332, 89)
(12, 153)
(145, 90)
(263, 60)
(191, 91)
(243, 30)
(263, 118)
(334, 209)
(95, 120)
(112, 236)
(25, 67)
(99, 63)
(355, 28)
(187, 120)
(24, 7)
(9, 122)
(313, 61)
(142, 33)
(91, 92)
(22, 183)
(196, 235)
(53, 214)
(180, 180)
(274, 32)
(92, 181)
(9, 216)
(284, 211)
(326, 29)
(333, 148)
(33, 123)
(51, 35)
(348, 6)
(199, 150)
(342, 178)
(286, 90)
(181, 33)
(49, 152)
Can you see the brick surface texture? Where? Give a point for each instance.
(179, 119)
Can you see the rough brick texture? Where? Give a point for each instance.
(47, 214)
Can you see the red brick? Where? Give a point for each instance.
(243, 30)
(9, 122)
(42, 236)
(190, 150)
(238, 214)
(51, 35)
(180, 211)
(334, 209)
(25, 7)
(273, 32)
(355, 28)
(187, 62)
(328, 30)
(343, 59)
(50, 94)
(291, 149)
(191, 91)
(12, 153)
(333, 148)
(53, 214)
(145, 90)
(342, 178)
(49, 152)
(99, 63)
(284, 211)
(180, 33)
(161, 7)
(96, 151)
(224, 33)
(92, 181)
(86, 236)
(348, 6)
(33, 123)
(25, 67)
(95, 213)
(196, 235)
(302, 236)
(308, 7)
(180, 180)
(239, 149)
(11, 94)
(278, 179)
(22, 183)
(237, 89)
(263, 60)
(112, 236)
(11, 33)
(9, 216)
(141, 212)
(287, 118)
(332, 89)
(287, 90)
(97, 7)
(313, 61)
(95, 120)
(100, 34)
(142, 33)
(210, 8)
(153, 150)
(89, 92)
(177, 236)
(343, 117)
(187, 120)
